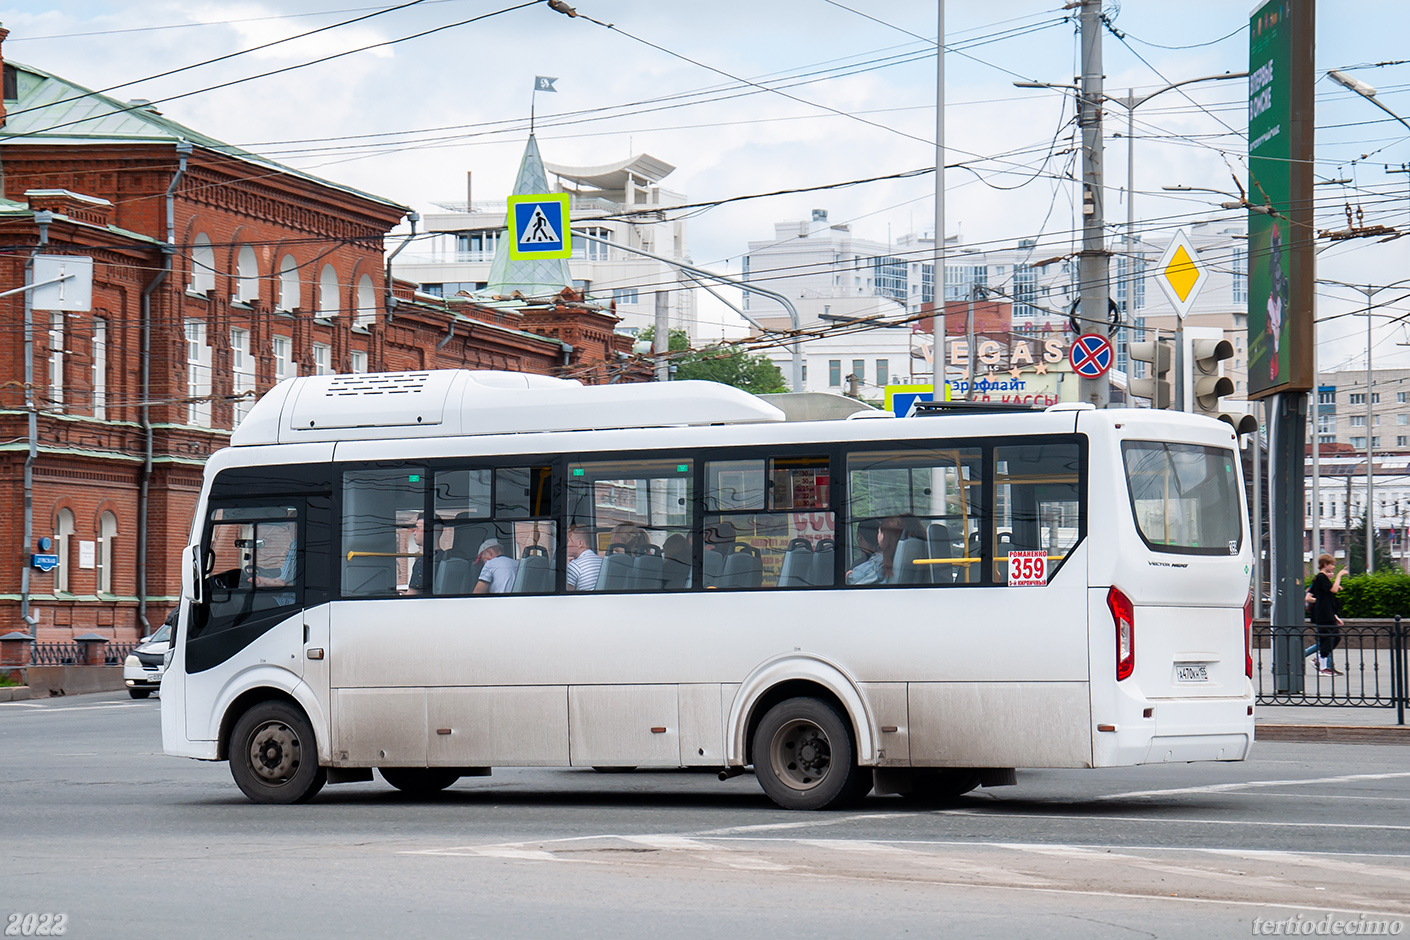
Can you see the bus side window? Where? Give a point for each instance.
(1037, 502)
(770, 524)
(509, 509)
(637, 516)
(914, 516)
(380, 510)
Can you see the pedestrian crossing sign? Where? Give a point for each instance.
(539, 225)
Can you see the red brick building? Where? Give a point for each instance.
(216, 273)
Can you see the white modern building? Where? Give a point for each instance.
(837, 280)
(1340, 503)
(623, 203)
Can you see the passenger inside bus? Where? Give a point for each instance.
(867, 549)
(497, 572)
(903, 542)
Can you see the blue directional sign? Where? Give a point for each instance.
(538, 227)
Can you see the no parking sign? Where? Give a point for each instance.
(1090, 355)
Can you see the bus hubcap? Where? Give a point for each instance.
(801, 754)
(274, 751)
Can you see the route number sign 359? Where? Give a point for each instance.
(1028, 569)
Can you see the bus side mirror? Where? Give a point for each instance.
(192, 574)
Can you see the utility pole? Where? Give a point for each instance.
(937, 279)
(1093, 260)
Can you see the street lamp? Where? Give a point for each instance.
(1131, 101)
(1364, 90)
(1370, 290)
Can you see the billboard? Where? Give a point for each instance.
(1280, 241)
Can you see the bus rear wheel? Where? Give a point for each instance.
(804, 757)
(273, 757)
(419, 781)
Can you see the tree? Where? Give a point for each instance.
(728, 365)
(1356, 552)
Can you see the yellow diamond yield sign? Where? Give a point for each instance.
(1180, 274)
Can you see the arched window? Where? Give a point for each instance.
(289, 284)
(328, 292)
(202, 265)
(246, 275)
(107, 531)
(366, 303)
(63, 541)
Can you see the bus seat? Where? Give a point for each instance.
(675, 574)
(648, 570)
(454, 575)
(714, 564)
(941, 546)
(744, 568)
(821, 573)
(369, 576)
(616, 571)
(904, 569)
(535, 574)
(797, 564)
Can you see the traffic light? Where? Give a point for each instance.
(1157, 354)
(1205, 381)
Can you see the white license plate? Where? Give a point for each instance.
(1191, 672)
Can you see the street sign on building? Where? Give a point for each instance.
(538, 227)
(65, 283)
(1181, 274)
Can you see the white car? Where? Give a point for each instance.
(142, 670)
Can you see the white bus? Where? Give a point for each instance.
(379, 576)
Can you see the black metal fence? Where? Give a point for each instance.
(67, 654)
(1366, 669)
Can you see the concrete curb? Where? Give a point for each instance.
(1334, 734)
(15, 693)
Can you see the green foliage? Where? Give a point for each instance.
(1356, 554)
(6, 680)
(728, 365)
(1383, 594)
(678, 340)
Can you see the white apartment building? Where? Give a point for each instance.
(833, 276)
(1340, 500)
(1341, 409)
(621, 202)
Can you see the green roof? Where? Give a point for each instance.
(52, 110)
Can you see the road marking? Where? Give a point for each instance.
(720, 852)
(75, 708)
(1228, 787)
(1165, 819)
(774, 827)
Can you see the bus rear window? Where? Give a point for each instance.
(1185, 497)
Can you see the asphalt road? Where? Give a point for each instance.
(98, 825)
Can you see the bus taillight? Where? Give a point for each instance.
(1123, 612)
(1248, 636)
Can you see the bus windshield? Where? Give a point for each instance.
(1185, 497)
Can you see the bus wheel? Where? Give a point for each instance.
(273, 756)
(804, 759)
(946, 786)
(419, 781)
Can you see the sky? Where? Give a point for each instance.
(853, 97)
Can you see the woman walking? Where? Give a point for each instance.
(1324, 614)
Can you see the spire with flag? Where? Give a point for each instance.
(533, 277)
(541, 83)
